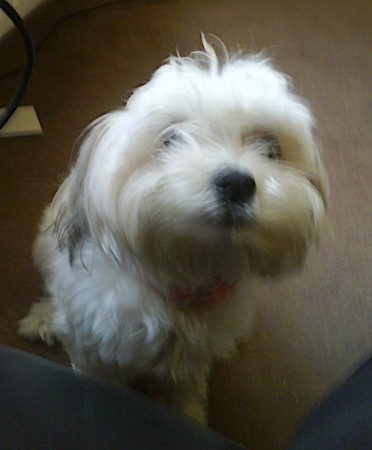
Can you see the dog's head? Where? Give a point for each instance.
(210, 169)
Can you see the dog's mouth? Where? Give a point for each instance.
(233, 216)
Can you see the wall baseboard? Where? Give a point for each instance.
(24, 122)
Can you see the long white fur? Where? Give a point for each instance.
(132, 220)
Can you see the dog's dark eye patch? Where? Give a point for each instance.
(272, 148)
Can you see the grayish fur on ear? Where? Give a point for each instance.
(72, 231)
(71, 225)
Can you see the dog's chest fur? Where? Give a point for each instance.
(107, 319)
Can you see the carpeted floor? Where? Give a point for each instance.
(313, 329)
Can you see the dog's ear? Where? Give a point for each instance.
(103, 166)
(302, 149)
(70, 225)
(318, 178)
(82, 193)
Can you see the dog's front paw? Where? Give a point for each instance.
(197, 411)
(38, 323)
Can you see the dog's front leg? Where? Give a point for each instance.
(187, 394)
(196, 401)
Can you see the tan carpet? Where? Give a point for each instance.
(312, 329)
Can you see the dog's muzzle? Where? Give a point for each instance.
(235, 192)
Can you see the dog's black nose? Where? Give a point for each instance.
(235, 186)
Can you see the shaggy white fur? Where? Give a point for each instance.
(210, 174)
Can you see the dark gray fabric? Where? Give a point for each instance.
(46, 406)
(344, 420)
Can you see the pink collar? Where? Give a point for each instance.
(197, 297)
(201, 296)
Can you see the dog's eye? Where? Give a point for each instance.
(272, 148)
(172, 138)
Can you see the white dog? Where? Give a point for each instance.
(210, 174)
